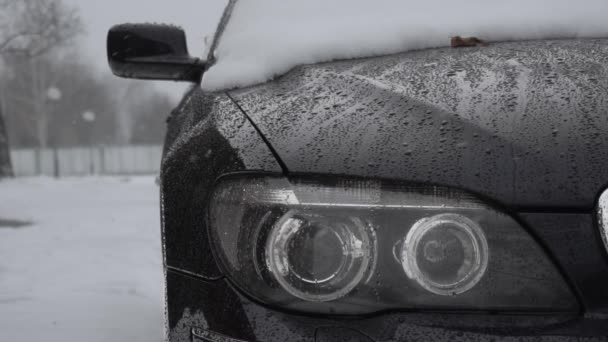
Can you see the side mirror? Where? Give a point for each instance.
(152, 52)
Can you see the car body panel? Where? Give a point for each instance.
(208, 136)
(572, 239)
(523, 123)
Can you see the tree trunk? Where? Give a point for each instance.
(6, 168)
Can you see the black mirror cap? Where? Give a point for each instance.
(152, 52)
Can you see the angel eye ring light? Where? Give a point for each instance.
(446, 254)
(317, 258)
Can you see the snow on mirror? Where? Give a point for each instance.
(266, 38)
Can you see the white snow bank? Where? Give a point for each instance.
(266, 38)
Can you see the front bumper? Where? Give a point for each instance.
(212, 311)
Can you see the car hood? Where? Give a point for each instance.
(525, 123)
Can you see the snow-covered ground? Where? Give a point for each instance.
(89, 267)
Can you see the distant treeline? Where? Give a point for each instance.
(60, 101)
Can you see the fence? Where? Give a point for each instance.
(83, 161)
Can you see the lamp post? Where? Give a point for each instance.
(89, 117)
(53, 95)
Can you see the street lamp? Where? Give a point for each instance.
(89, 117)
(53, 95)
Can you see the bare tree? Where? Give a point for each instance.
(6, 169)
(82, 90)
(28, 29)
(33, 27)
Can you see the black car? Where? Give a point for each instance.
(364, 200)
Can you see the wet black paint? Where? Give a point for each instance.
(524, 124)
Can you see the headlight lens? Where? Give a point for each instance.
(447, 254)
(349, 246)
(319, 258)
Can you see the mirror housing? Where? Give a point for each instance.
(152, 52)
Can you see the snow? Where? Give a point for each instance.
(603, 204)
(266, 38)
(90, 266)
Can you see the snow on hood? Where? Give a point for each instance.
(266, 38)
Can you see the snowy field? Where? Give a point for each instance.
(89, 266)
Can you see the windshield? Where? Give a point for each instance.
(266, 38)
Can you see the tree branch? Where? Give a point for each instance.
(33, 27)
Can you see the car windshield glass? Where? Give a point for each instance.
(266, 38)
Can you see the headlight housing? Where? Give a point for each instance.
(354, 246)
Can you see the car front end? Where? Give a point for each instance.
(362, 200)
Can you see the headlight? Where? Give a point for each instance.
(349, 246)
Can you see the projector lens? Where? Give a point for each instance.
(319, 258)
(446, 254)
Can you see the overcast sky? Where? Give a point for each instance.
(198, 17)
